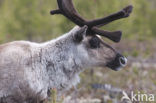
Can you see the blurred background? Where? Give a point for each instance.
(31, 20)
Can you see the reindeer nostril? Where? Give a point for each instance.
(119, 62)
(122, 60)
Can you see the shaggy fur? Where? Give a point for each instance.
(29, 70)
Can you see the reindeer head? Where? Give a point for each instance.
(93, 50)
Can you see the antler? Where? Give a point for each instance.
(67, 9)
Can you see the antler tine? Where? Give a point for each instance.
(114, 36)
(67, 9)
(103, 21)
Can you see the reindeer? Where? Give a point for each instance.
(29, 70)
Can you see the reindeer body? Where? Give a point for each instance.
(31, 69)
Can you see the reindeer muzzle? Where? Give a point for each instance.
(119, 62)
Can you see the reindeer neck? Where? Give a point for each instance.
(61, 65)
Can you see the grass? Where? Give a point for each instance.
(129, 79)
(53, 97)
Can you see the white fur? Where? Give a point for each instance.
(40, 67)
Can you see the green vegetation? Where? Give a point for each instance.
(132, 78)
(54, 98)
(31, 20)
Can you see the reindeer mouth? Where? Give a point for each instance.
(118, 63)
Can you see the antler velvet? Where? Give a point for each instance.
(67, 9)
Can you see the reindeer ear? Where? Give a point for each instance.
(80, 33)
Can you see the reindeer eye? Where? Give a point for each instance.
(94, 42)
